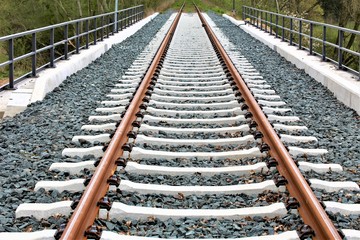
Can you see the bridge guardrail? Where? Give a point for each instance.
(85, 32)
(315, 37)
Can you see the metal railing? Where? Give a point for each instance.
(75, 35)
(327, 41)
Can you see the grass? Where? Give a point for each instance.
(3, 72)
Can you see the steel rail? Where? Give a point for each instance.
(309, 208)
(87, 209)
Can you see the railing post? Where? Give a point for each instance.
(271, 23)
(266, 24)
(113, 31)
(116, 15)
(87, 40)
(107, 28)
(243, 13)
(77, 40)
(102, 28)
(261, 20)
(120, 20)
(324, 44)
(132, 16)
(139, 13)
(52, 49)
(311, 38)
(128, 17)
(11, 65)
(340, 52)
(276, 26)
(33, 57)
(257, 18)
(283, 29)
(300, 36)
(359, 70)
(95, 31)
(66, 44)
(291, 31)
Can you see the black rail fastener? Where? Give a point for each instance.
(121, 162)
(105, 147)
(241, 100)
(253, 124)
(114, 180)
(146, 99)
(60, 231)
(87, 180)
(96, 163)
(305, 232)
(248, 115)
(271, 162)
(93, 232)
(104, 203)
(258, 135)
(132, 134)
(143, 106)
(140, 114)
(148, 93)
(264, 147)
(292, 203)
(74, 203)
(128, 147)
(244, 107)
(280, 180)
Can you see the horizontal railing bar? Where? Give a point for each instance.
(306, 20)
(23, 57)
(293, 30)
(4, 64)
(103, 28)
(16, 35)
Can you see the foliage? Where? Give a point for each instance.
(22, 15)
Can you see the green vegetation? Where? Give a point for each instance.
(22, 15)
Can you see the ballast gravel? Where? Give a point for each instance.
(196, 179)
(34, 139)
(202, 228)
(336, 126)
(208, 201)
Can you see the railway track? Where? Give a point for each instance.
(204, 143)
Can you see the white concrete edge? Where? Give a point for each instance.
(140, 153)
(43, 210)
(75, 168)
(39, 235)
(342, 208)
(290, 235)
(331, 186)
(121, 211)
(77, 185)
(107, 235)
(51, 78)
(343, 85)
(248, 189)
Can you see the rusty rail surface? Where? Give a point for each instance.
(87, 209)
(309, 208)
